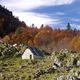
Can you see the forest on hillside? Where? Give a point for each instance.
(12, 30)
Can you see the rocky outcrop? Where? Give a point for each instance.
(67, 61)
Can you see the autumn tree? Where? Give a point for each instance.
(75, 43)
(43, 38)
(6, 38)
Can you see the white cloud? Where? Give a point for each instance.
(59, 13)
(36, 18)
(32, 4)
(77, 26)
(75, 19)
(18, 6)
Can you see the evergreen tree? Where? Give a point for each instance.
(68, 26)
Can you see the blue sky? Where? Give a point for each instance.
(56, 13)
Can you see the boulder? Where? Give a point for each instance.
(61, 78)
(78, 63)
(55, 66)
(57, 62)
(22, 66)
(67, 68)
(70, 77)
(77, 74)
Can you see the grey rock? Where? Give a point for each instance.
(78, 63)
(23, 66)
(61, 78)
(1, 70)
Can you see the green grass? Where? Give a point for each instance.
(14, 64)
(13, 68)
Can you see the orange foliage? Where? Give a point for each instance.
(45, 37)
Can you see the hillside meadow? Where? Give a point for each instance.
(12, 67)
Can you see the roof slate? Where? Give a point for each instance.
(36, 51)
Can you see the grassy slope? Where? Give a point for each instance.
(18, 68)
(15, 70)
(14, 66)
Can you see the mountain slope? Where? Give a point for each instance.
(8, 23)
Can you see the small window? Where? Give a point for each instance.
(30, 56)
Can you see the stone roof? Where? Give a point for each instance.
(36, 51)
